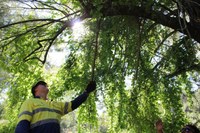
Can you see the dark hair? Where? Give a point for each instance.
(36, 85)
(158, 121)
(196, 130)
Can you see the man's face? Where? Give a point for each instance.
(159, 125)
(187, 129)
(42, 89)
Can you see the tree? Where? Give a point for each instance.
(156, 43)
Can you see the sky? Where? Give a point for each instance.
(57, 58)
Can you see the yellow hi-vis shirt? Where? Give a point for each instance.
(38, 111)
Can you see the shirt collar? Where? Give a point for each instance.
(36, 96)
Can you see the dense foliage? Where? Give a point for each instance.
(144, 55)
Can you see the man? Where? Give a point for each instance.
(159, 126)
(186, 129)
(38, 115)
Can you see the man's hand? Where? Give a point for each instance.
(91, 86)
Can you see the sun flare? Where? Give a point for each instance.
(78, 30)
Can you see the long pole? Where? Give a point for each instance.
(96, 49)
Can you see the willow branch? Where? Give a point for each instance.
(51, 40)
(138, 55)
(54, 38)
(29, 21)
(36, 49)
(195, 67)
(166, 37)
(52, 7)
(21, 34)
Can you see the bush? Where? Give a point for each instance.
(6, 126)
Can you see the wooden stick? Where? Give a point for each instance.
(96, 49)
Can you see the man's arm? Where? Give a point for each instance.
(23, 127)
(81, 98)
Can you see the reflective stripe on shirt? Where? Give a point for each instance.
(25, 113)
(35, 110)
(40, 110)
(39, 123)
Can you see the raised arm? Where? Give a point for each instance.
(81, 98)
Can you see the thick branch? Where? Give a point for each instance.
(158, 17)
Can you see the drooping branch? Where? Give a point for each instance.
(158, 47)
(54, 38)
(50, 41)
(195, 67)
(14, 37)
(164, 39)
(53, 8)
(159, 17)
(138, 52)
(47, 6)
(36, 49)
(30, 21)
